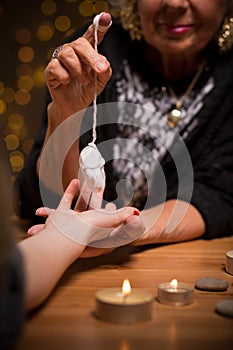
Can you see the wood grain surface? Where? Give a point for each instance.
(67, 322)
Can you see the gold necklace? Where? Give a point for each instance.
(175, 114)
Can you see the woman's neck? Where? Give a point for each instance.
(172, 67)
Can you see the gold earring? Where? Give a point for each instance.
(225, 39)
(131, 21)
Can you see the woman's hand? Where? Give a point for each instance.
(63, 239)
(70, 76)
(86, 201)
(101, 229)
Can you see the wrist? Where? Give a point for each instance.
(56, 115)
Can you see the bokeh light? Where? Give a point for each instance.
(86, 8)
(8, 94)
(29, 42)
(48, 7)
(23, 36)
(15, 121)
(16, 160)
(69, 32)
(62, 23)
(25, 82)
(101, 6)
(2, 106)
(12, 142)
(26, 54)
(45, 32)
(38, 76)
(27, 145)
(23, 69)
(22, 97)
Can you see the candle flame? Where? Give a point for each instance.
(174, 283)
(126, 287)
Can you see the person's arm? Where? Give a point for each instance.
(66, 97)
(71, 82)
(26, 197)
(46, 256)
(172, 221)
(63, 239)
(209, 215)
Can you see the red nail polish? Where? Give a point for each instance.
(136, 212)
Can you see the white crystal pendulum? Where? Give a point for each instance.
(90, 160)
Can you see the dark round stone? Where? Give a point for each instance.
(225, 308)
(211, 284)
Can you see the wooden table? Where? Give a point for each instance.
(66, 320)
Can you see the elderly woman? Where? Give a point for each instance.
(163, 75)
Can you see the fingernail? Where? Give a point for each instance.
(101, 66)
(39, 211)
(104, 28)
(136, 212)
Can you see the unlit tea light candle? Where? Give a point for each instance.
(229, 262)
(124, 305)
(175, 293)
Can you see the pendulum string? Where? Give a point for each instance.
(91, 161)
(95, 88)
(96, 25)
(94, 100)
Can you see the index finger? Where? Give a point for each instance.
(88, 200)
(69, 194)
(104, 22)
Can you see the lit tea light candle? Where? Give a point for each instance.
(124, 305)
(175, 293)
(229, 262)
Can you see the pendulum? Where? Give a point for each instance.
(90, 160)
(92, 167)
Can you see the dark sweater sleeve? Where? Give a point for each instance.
(213, 183)
(211, 190)
(213, 164)
(211, 150)
(26, 192)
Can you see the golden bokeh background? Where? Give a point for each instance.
(30, 31)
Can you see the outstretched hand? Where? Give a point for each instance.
(101, 230)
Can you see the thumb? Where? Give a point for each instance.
(110, 219)
(124, 234)
(104, 21)
(35, 229)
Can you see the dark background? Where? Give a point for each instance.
(30, 31)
